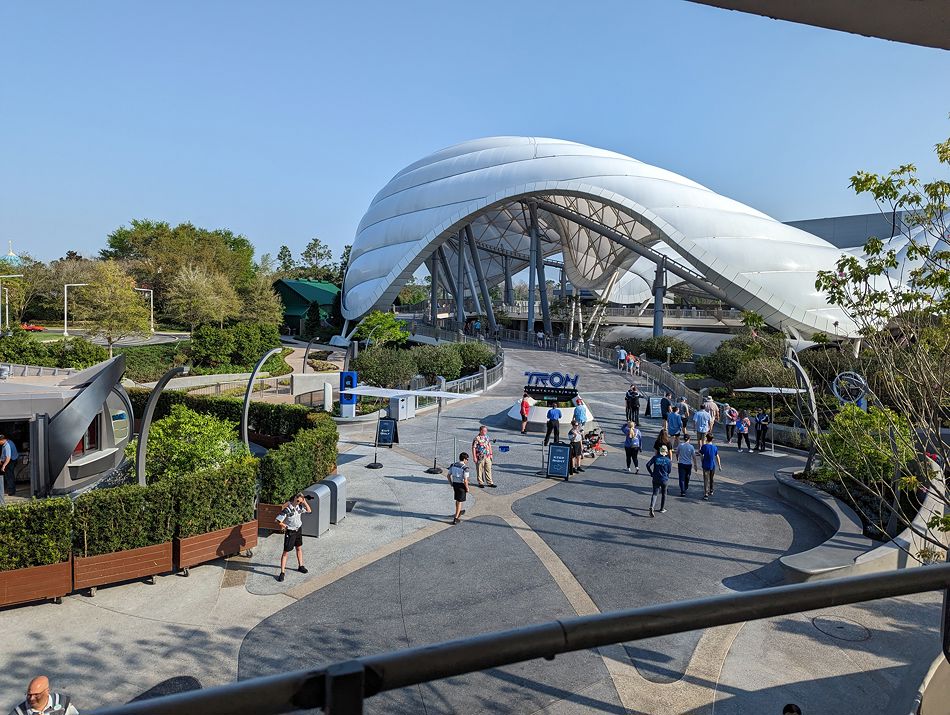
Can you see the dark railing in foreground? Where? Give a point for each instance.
(341, 688)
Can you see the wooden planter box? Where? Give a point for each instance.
(199, 549)
(93, 571)
(267, 515)
(36, 583)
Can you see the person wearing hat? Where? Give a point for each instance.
(659, 468)
(732, 414)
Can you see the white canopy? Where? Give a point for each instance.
(771, 390)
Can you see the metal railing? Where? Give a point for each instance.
(17, 370)
(263, 387)
(341, 688)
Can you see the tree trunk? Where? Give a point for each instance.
(110, 349)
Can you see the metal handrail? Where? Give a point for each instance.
(341, 688)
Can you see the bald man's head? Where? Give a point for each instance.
(37, 693)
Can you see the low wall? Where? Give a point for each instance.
(934, 693)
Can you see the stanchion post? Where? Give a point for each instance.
(435, 469)
(375, 464)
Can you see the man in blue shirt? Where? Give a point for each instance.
(711, 461)
(659, 468)
(8, 458)
(553, 425)
(702, 420)
(674, 425)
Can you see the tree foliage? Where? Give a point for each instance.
(111, 306)
(381, 328)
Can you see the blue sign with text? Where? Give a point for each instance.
(551, 379)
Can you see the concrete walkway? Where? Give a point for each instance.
(396, 573)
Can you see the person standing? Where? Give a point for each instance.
(631, 444)
(8, 458)
(553, 425)
(622, 359)
(576, 438)
(713, 409)
(632, 402)
(683, 406)
(665, 404)
(630, 363)
(539, 337)
(674, 425)
(40, 701)
(731, 416)
(458, 478)
(742, 430)
(659, 470)
(481, 449)
(580, 413)
(685, 461)
(762, 421)
(525, 410)
(291, 524)
(662, 440)
(702, 421)
(710, 461)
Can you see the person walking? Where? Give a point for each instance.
(40, 701)
(762, 422)
(683, 406)
(665, 404)
(575, 437)
(290, 522)
(742, 430)
(731, 416)
(659, 468)
(702, 422)
(710, 462)
(8, 458)
(630, 359)
(632, 402)
(631, 444)
(525, 410)
(713, 409)
(580, 413)
(674, 425)
(539, 338)
(685, 462)
(481, 449)
(662, 440)
(458, 477)
(553, 425)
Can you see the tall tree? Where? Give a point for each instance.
(343, 265)
(111, 306)
(317, 257)
(285, 260)
(188, 297)
(261, 302)
(223, 298)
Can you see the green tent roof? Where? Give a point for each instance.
(311, 291)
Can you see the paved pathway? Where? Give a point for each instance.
(396, 573)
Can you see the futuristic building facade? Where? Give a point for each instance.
(480, 211)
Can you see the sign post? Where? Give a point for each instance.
(655, 406)
(387, 434)
(559, 460)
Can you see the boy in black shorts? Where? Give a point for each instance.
(458, 478)
(291, 523)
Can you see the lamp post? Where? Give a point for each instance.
(66, 287)
(6, 300)
(250, 389)
(151, 306)
(9, 275)
(147, 418)
(306, 354)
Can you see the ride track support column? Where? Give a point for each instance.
(659, 291)
(480, 273)
(460, 282)
(539, 258)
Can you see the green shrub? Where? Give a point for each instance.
(384, 367)
(269, 418)
(147, 363)
(21, 348)
(655, 348)
(212, 346)
(216, 498)
(276, 365)
(434, 361)
(122, 518)
(297, 464)
(723, 364)
(77, 353)
(763, 372)
(187, 441)
(858, 446)
(474, 355)
(252, 340)
(35, 533)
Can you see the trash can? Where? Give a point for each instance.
(317, 522)
(336, 483)
(402, 408)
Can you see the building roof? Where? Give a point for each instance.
(306, 292)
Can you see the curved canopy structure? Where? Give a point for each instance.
(611, 217)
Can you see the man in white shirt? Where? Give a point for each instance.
(290, 523)
(40, 701)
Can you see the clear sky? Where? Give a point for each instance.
(282, 120)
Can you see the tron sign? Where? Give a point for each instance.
(551, 379)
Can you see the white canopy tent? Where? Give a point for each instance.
(772, 392)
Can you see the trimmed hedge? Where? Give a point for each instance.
(123, 518)
(35, 533)
(437, 360)
(273, 419)
(473, 356)
(297, 464)
(215, 498)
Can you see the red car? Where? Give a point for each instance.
(32, 328)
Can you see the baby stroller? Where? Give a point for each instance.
(594, 443)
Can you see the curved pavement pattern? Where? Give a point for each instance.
(535, 549)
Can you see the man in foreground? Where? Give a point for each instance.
(40, 701)
(458, 478)
(291, 524)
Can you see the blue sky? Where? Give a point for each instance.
(282, 120)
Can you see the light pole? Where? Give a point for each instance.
(6, 299)
(66, 287)
(147, 419)
(151, 306)
(9, 275)
(250, 389)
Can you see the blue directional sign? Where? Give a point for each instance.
(559, 460)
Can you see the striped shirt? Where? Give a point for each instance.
(290, 516)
